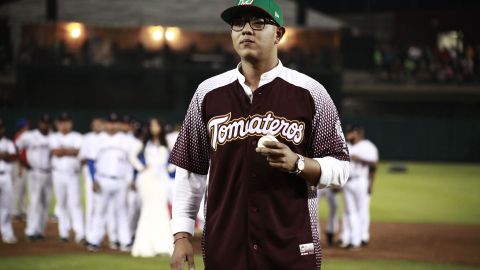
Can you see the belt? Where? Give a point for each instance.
(67, 172)
(41, 170)
(3, 172)
(109, 176)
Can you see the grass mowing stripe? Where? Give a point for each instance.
(426, 193)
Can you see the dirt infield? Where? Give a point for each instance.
(454, 244)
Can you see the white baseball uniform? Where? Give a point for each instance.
(87, 149)
(6, 146)
(67, 185)
(134, 202)
(332, 199)
(355, 192)
(19, 186)
(39, 180)
(111, 173)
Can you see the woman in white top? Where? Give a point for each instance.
(153, 236)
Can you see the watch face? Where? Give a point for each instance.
(301, 165)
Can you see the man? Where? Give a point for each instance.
(133, 198)
(65, 145)
(364, 156)
(261, 207)
(330, 195)
(7, 157)
(89, 143)
(19, 192)
(109, 166)
(36, 143)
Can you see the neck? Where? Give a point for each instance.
(357, 140)
(254, 70)
(156, 140)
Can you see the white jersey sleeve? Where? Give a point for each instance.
(54, 141)
(24, 140)
(11, 148)
(191, 187)
(135, 150)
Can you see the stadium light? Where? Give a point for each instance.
(172, 33)
(75, 30)
(156, 32)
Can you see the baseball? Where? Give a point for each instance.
(266, 138)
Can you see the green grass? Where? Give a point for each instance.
(123, 262)
(341, 264)
(426, 193)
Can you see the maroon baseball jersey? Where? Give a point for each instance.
(258, 217)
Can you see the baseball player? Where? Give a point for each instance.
(89, 143)
(330, 195)
(36, 143)
(65, 145)
(7, 157)
(19, 191)
(133, 198)
(363, 155)
(261, 202)
(109, 172)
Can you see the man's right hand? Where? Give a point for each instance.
(183, 251)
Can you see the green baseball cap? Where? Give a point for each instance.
(268, 7)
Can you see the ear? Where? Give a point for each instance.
(280, 32)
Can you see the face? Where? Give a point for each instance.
(354, 136)
(155, 127)
(98, 125)
(255, 45)
(64, 126)
(350, 136)
(118, 126)
(43, 126)
(110, 127)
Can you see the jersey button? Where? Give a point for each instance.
(254, 142)
(255, 210)
(254, 175)
(255, 246)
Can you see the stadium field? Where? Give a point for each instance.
(426, 193)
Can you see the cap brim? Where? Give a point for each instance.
(231, 13)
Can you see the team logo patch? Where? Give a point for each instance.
(339, 130)
(307, 249)
(245, 2)
(222, 129)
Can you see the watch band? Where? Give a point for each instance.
(297, 170)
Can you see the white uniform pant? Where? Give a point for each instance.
(112, 192)
(67, 187)
(365, 220)
(354, 199)
(88, 201)
(332, 199)
(5, 206)
(134, 206)
(19, 190)
(40, 195)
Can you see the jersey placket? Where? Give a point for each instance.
(254, 187)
